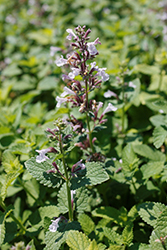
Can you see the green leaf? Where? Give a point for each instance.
(129, 160)
(155, 242)
(147, 69)
(159, 136)
(149, 153)
(11, 70)
(158, 120)
(54, 240)
(161, 105)
(77, 240)
(48, 83)
(113, 237)
(82, 200)
(86, 223)
(38, 171)
(62, 199)
(127, 234)
(93, 174)
(150, 211)
(151, 169)
(2, 223)
(110, 213)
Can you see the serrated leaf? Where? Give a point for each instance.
(155, 242)
(49, 211)
(54, 240)
(62, 199)
(93, 246)
(38, 171)
(86, 222)
(77, 240)
(159, 136)
(9, 178)
(152, 168)
(149, 153)
(82, 200)
(129, 159)
(113, 237)
(127, 234)
(150, 211)
(94, 174)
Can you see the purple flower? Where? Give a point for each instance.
(132, 85)
(42, 157)
(67, 91)
(103, 74)
(109, 108)
(71, 34)
(109, 93)
(55, 224)
(61, 61)
(60, 101)
(53, 50)
(75, 72)
(92, 49)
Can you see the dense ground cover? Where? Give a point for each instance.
(102, 183)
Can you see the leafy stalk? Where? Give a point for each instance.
(70, 211)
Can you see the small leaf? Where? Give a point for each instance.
(150, 211)
(62, 199)
(113, 237)
(93, 174)
(147, 69)
(86, 222)
(128, 234)
(129, 160)
(39, 171)
(159, 136)
(149, 153)
(109, 213)
(77, 240)
(152, 168)
(93, 246)
(82, 200)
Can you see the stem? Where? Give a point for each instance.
(90, 133)
(13, 217)
(87, 118)
(70, 211)
(123, 108)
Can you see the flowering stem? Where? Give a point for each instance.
(70, 211)
(87, 118)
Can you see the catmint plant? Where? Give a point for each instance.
(50, 166)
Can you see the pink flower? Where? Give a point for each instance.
(92, 49)
(75, 72)
(109, 93)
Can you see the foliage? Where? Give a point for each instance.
(101, 183)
